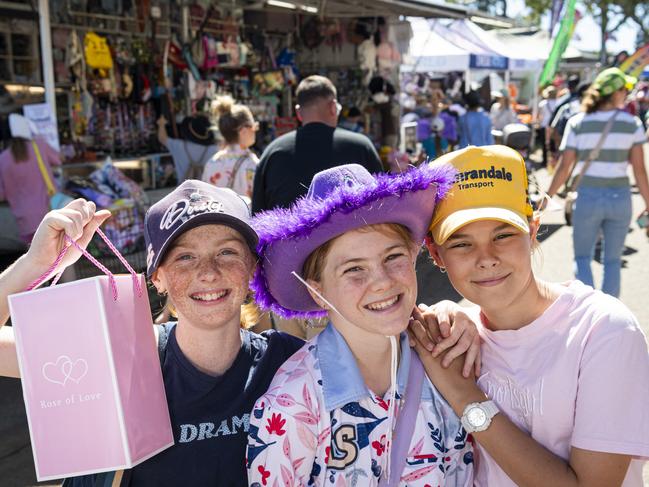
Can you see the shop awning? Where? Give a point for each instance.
(374, 8)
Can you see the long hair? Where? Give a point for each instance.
(18, 148)
(593, 101)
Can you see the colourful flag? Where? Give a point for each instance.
(559, 45)
(557, 6)
(634, 64)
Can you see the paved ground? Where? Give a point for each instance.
(554, 262)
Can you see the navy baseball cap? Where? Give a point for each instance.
(192, 204)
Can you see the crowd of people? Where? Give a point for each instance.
(538, 383)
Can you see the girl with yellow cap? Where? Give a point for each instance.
(563, 394)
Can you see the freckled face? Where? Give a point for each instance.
(488, 262)
(369, 276)
(206, 273)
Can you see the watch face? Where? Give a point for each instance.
(476, 417)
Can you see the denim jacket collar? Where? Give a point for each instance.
(342, 381)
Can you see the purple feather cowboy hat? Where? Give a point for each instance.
(340, 199)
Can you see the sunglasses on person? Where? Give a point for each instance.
(251, 125)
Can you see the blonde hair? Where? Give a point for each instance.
(593, 101)
(231, 117)
(314, 264)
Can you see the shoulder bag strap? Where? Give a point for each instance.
(235, 170)
(405, 424)
(593, 153)
(51, 190)
(194, 165)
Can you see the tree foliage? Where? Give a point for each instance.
(610, 15)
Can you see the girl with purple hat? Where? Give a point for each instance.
(352, 405)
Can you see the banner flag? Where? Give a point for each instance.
(634, 64)
(559, 45)
(557, 7)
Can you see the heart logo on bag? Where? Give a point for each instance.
(65, 369)
(76, 370)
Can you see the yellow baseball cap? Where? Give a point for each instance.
(490, 184)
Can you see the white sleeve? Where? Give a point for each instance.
(612, 408)
(639, 136)
(569, 140)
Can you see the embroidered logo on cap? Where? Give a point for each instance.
(186, 209)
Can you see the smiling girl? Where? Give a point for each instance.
(563, 399)
(347, 250)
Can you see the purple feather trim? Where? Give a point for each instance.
(307, 214)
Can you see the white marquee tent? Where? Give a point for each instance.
(434, 48)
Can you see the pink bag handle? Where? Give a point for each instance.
(111, 277)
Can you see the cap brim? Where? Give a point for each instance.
(207, 219)
(458, 219)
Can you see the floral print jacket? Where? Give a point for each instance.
(319, 425)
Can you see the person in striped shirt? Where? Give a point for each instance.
(604, 201)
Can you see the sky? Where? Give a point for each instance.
(587, 35)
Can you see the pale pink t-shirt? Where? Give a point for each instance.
(576, 376)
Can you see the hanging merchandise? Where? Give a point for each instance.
(233, 49)
(222, 54)
(210, 54)
(367, 58)
(269, 82)
(191, 64)
(97, 52)
(333, 34)
(176, 55)
(286, 60)
(359, 30)
(311, 33)
(74, 58)
(388, 58)
(381, 90)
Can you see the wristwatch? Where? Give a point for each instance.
(477, 416)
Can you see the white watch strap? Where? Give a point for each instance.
(490, 408)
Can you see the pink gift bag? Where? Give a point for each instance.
(91, 375)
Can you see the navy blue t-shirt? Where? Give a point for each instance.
(209, 415)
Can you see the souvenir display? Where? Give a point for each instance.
(134, 67)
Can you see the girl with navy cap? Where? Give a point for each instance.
(352, 407)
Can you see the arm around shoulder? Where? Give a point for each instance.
(523, 459)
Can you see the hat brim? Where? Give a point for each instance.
(460, 218)
(243, 228)
(288, 237)
(189, 132)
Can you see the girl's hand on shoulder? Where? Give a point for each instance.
(435, 367)
(78, 220)
(449, 381)
(451, 332)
